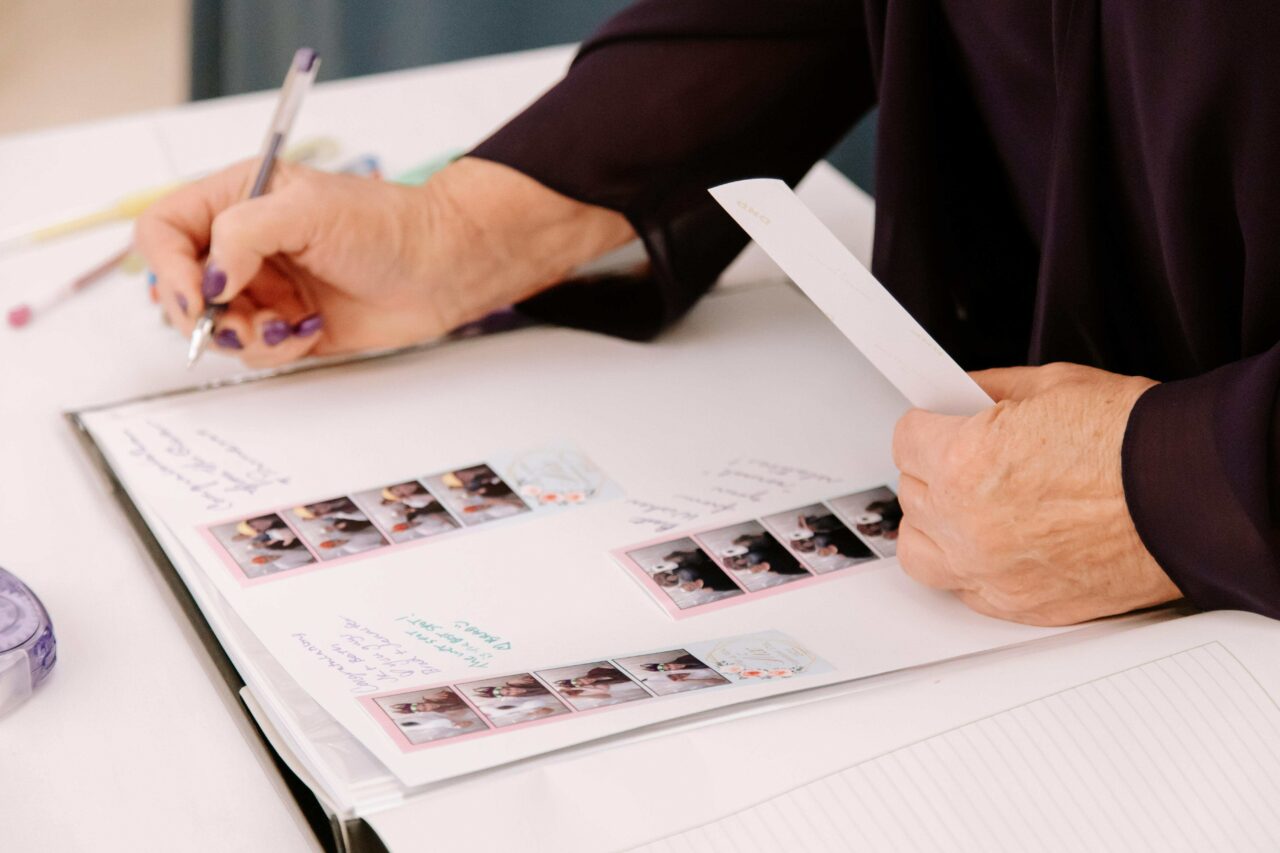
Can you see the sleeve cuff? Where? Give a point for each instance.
(1198, 469)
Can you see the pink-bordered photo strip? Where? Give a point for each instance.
(451, 712)
(285, 541)
(403, 716)
(716, 567)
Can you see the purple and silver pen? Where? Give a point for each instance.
(302, 73)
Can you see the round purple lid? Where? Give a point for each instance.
(27, 647)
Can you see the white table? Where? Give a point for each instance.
(134, 743)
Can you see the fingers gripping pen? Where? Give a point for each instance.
(302, 73)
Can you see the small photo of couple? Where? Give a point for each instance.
(875, 515)
(684, 573)
(670, 672)
(263, 545)
(819, 539)
(593, 685)
(753, 556)
(336, 528)
(407, 511)
(476, 494)
(513, 699)
(437, 713)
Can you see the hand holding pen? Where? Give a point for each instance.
(328, 263)
(302, 73)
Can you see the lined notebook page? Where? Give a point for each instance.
(1180, 753)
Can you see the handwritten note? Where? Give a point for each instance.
(208, 466)
(365, 658)
(724, 489)
(459, 640)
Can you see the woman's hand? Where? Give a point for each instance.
(1020, 509)
(334, 263)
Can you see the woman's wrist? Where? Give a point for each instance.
(499, 237)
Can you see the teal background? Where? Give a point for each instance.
(242, 45)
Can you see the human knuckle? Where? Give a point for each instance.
(903, 434)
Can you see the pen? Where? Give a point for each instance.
(21, 315)
(302, 72)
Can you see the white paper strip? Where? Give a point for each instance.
(850, 296)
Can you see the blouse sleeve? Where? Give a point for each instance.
(1201, 466)
(668, 99)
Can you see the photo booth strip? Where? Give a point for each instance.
(291, 540)
(439, 714)
(701, 571)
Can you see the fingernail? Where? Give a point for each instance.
(228, 339)
(182, 303)
(214, 281)
(308, 326)
(151, 279)
(275, 331)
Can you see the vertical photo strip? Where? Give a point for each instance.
(276, 542)
(431, 716)
(735, 563)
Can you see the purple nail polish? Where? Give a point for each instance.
(228, 339)
(308, 326)
(275, 331)
(182, 303)
(214, 281)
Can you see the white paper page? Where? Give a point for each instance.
(849, 295)
(1179, 753)
(626, 795)
(754, 405)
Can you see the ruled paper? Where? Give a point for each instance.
(1181, 753)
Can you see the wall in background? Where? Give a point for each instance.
(244, 45)
(75, 60)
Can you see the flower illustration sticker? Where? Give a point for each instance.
(556, 476)
(767, 656)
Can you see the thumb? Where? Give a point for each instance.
(1009, 383)
(247, 233)
(1019, 383)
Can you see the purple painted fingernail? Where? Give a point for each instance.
(182, 303)
(214, 281)
(275, 331)
(308, 325)
(228, 339)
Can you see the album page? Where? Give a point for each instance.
(516, 543)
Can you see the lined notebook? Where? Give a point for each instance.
(1180, 753)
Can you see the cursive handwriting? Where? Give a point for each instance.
(365, 658)
(467, 643)
(207, 465)
(739, 482)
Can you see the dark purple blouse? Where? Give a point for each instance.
(1092, 181)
